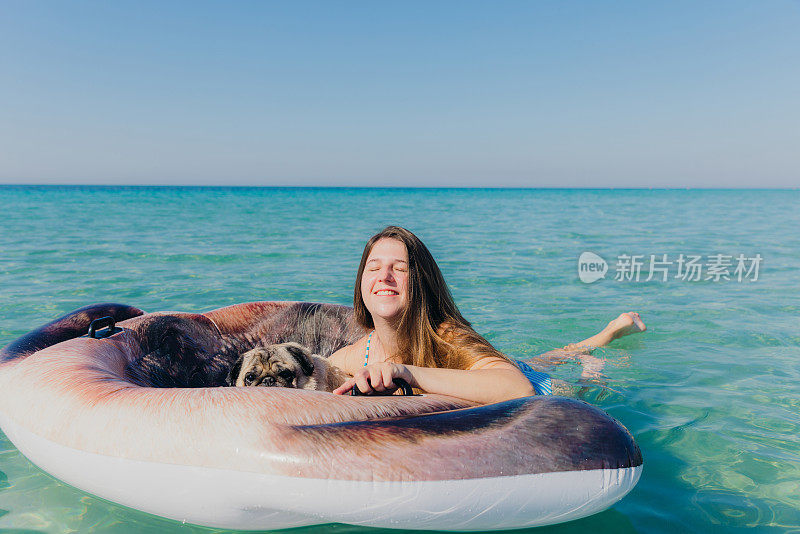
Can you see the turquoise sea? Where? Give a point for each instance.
(711, 391)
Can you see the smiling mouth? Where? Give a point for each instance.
(386, 292)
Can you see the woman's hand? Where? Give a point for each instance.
(377, 379)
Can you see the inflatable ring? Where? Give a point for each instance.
(138, 417)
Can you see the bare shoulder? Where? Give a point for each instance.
(347, 358)
(493, 362)
(340, 356)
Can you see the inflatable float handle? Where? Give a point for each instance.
(402, 384)
(102, 322)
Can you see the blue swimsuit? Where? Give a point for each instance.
(540, 381)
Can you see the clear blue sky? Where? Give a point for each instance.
(531, 94)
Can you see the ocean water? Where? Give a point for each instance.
(710, 391)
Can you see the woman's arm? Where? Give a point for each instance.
(489, 380)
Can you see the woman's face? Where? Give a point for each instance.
(384, 283)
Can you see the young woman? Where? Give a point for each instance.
(417, 333)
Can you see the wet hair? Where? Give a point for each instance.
(431, 331)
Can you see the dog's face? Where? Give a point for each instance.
(285, 365)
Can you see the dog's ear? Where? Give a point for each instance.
(301, 354)
(233, 374)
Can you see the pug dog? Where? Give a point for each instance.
(288, 365)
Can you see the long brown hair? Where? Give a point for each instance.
(431, 331)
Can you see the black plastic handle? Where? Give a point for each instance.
(99, 323)
(399, 382)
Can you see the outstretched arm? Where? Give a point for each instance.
(489, 380)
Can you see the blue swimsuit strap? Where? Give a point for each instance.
(540, 381)
(366, 355)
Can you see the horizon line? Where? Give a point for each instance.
(553, 188)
